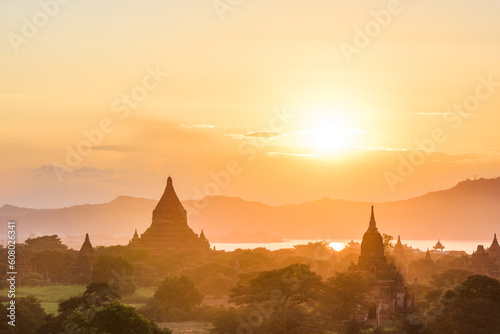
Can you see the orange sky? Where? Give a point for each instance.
(352, 118)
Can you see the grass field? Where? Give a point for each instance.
(49, 296)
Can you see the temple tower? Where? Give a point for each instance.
(82, 267)
(482, 263)
(389, 296)
(494, 250)
(169, 227)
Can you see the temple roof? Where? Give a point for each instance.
(399, 250)
(428, 254)
(87, 246)
(169, 209)
(169, 196)
(372, 245)
(438, 245)
(399, 241)
(169, 227)
(495, 244)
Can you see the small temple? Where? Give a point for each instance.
(399, 251)
(482, 263)
(438, 246)
(389, 297)
(494, 250)
(82, 267)
(428, 255)
(169, 228)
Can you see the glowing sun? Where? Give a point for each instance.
(331, 134)
(337, 246)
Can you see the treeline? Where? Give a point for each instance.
(306, 289)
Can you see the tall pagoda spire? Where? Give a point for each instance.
(495, 242)
(372, 245)
(494, 250)
(373, 223)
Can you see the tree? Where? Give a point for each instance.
(29, 316)
(178, 292)
(116, 271)
(276, 301)
(96, 295)
(344, 293)
(46, 242)
(450, 278)
(52, 263)
(388, 244)
(471, 307)
(113, 318)
(33, 279)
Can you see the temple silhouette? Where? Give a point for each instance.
(169, 228)
(389, 296)
(82, 267)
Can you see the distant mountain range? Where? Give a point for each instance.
(468, 211)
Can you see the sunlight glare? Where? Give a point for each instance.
(337, 246)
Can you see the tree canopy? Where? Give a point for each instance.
(116, 271)
(113, 318)
(471, 307)
(46, 242)
(178, 292)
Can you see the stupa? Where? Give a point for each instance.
(169, 228)
(494, 250)
(389, 296)
(82, 267)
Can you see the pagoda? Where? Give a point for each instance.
(399, 251)
(482, 263)
(82, 267)
(169, 228)
(389, 296)
(494, 250)
(438, 247)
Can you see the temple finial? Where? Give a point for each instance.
(169, 180)
(373, 224)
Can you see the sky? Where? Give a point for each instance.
(277, 102)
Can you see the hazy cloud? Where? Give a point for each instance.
(115, 148)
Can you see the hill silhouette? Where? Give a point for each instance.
(468, 211)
